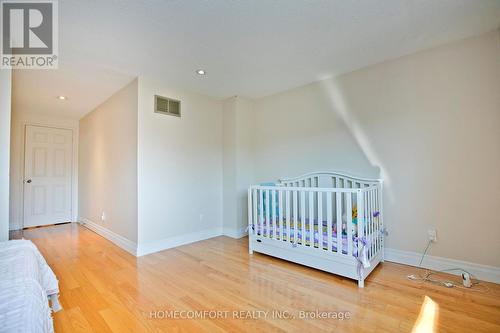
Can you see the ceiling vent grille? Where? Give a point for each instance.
(168, 106)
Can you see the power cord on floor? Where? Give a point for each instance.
(445, 283)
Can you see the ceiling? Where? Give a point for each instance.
(248, 48)
(84, 86)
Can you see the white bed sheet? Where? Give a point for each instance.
(24, 307)
(26, 283)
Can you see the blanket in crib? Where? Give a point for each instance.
(265, 228)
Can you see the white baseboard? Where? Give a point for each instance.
(235, 232)
(149, 247)
(482, 272)
(168, 243)
(120, 241)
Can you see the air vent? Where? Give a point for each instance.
(168, 106)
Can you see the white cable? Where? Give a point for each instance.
(444, 283)
(425, 252)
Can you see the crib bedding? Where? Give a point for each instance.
(262, 228)
(26, 283)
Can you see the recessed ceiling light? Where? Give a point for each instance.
(201, 72)
(62, 98)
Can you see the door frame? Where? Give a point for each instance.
(74, 169)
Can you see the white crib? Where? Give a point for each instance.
(311, 220)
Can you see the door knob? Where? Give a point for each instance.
(28, 181)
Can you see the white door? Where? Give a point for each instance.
(47, 175)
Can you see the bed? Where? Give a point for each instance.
(326, 220)
(26, 285)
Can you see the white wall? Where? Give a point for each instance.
(5, 118)
(21, 118)
(108, 164)
(297, 132)
(428, 122)
(238, 173)
(179, 168)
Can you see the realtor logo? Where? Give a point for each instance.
(29, 34)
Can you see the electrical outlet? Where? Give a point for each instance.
(432, 235)
(103, 217)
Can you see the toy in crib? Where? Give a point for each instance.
(376, 214)
(344, 221)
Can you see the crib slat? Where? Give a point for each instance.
(370, 219)
(375, 224)
(380, 209)
(372, 237)
(303, 217)
(267, 227)
(348, 208)
(273, 207)
(295, 215)
(377, 204)
(361, 218)
(280, 214)
(367, 218)
(311, 219)
(250, 210)
(255, 210)
(370, 223)
(338, 207)
(373, 240)
(377, 220)
(339, 227)
(261, 212)
(320, 221)
(370, 214)
(329, 220)
(287, 198)
(365, 214)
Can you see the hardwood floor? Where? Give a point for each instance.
(105, 289)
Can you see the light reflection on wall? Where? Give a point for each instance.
(341, 108)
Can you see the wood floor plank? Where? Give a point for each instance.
(105, 289)
(78, 321)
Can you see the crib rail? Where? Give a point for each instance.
(319, 219)
(329, 179)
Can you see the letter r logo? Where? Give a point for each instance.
(27, 27)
